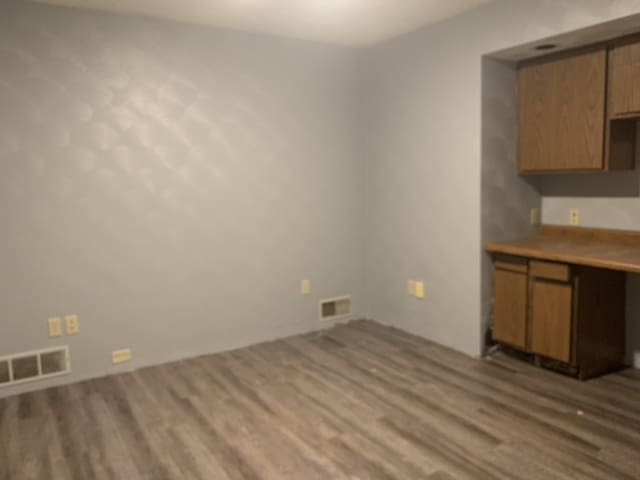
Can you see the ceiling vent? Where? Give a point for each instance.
(35, 365)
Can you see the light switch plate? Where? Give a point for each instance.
(55, 327)
(420, 290)
(574, 217)
(305, 287)
(411, 287)
(120, 356)
(72, 323)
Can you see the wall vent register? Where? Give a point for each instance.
(34, 365)
(334, 308)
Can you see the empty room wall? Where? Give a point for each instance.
(424, 155)
(171, 185)
(506, 197)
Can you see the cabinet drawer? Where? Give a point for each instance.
(549, 271)
(511, 264)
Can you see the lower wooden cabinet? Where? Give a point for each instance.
(510, 306)
(551, 317)
(567, 313)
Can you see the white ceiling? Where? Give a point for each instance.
(346, 22)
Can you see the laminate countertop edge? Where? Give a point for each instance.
(587, 261)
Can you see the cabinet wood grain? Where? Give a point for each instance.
(624, 80)
(549, 270)
(510, 307)
(561, 116)
(551, 319)
(623, 106)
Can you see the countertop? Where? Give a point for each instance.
(610, 249)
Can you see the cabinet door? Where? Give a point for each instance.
(624, 80)
(561, 116)
(510, 307)
(551, 315)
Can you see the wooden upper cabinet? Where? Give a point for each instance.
(624, 80)
(561, 115)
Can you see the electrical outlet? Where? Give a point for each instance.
(55, 327)
(120, 356)
(72, 323)
(574, 216)
(420, 290)
(534, 216)
(305, 287)
(411, 287)
(636, 359)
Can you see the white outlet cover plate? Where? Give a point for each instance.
(534, 216)
(72, 323)
(55, 327)
(574, 216)
(121, 356)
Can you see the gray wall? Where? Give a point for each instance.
(506, 197)
(171, 185)
(609, 200)
(424, 160)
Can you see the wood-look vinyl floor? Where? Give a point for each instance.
(359, 401)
